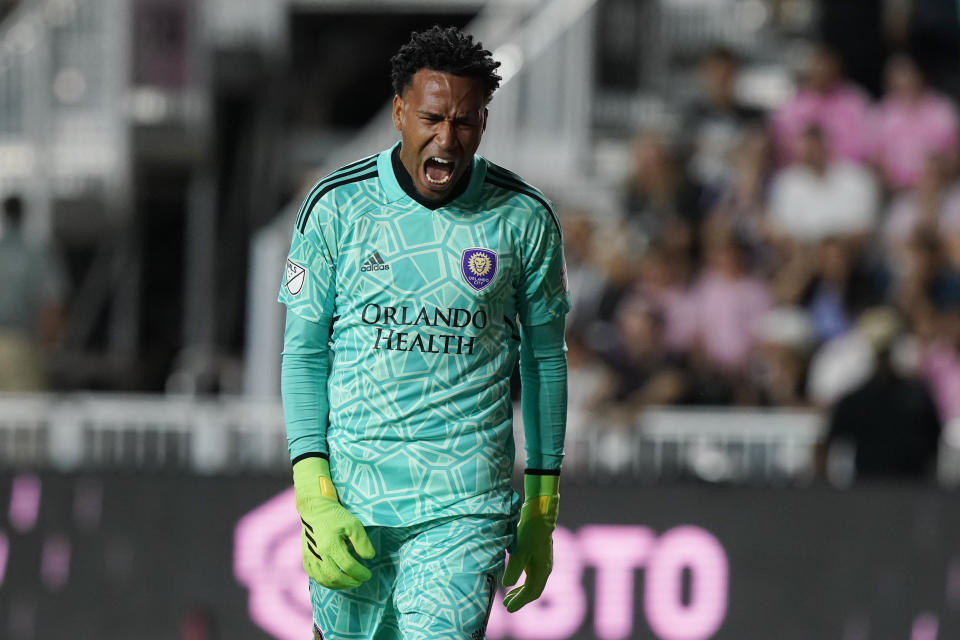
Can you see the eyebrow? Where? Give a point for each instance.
(456, 118)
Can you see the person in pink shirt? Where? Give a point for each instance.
(912, 123)
(826, 100)
(660, 285)
(726, 303)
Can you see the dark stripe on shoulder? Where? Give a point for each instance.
(509, 176)
(513, 186)
(329, 187)
(522, 185)
(503, 172)
(357, 163)
(354, 167)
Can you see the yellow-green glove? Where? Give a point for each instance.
(327, 527)
(534, 552)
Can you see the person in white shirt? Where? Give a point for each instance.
(819, 197)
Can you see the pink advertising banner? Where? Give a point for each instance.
(169, 556)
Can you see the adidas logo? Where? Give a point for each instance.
(375, 263)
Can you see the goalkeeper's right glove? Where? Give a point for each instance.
(534, 552)
(326, 526)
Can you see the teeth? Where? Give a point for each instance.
(443, 162)
(438, 182)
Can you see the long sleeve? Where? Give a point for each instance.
(303, 385)
(543, 376)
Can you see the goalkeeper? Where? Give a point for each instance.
(414, 278)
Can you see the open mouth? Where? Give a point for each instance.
(438, 171)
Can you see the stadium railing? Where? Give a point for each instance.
(227, 435)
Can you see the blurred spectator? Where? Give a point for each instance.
(932, 206)
(621, 264)
(847, 361)
(819, 197)
(741, 208)
(661, 205)
(585, 279)
(589, 385)
(660, 284)
(31, 297)
(924, 280)
(839, 288)
(778, 371)
(939, 357)
(726, 304)
(715, 123)
(839, 366)
(930, 31)
(646, 373)
(827, 101)
(890, 420)
(911, 124)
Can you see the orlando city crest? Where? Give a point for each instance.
(478, 266)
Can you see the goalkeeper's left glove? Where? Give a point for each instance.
(328, 528)
(534, 552)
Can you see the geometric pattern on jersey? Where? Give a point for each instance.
(430, 582)
(420, 418)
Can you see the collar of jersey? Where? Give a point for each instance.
(394, 192)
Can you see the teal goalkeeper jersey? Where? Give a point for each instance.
(424, 307)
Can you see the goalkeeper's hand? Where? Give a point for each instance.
(534, 552)
(327, 527)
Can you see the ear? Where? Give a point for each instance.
(483, 124)
(398, 115)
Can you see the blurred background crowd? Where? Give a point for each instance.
(801, 256)
(761, 198)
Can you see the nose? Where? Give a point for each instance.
(445, 137)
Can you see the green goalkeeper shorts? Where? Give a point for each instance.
(431, 581)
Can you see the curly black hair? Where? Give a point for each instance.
(447, 50)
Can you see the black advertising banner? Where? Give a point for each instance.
(156, 556)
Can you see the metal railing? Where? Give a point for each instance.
(88, 431)
(239, 435)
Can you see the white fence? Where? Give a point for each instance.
(237, 435)
(714, 445)
(83, 431)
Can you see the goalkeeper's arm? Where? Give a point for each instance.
(303, 385)
(543, 376)
(327, 527)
